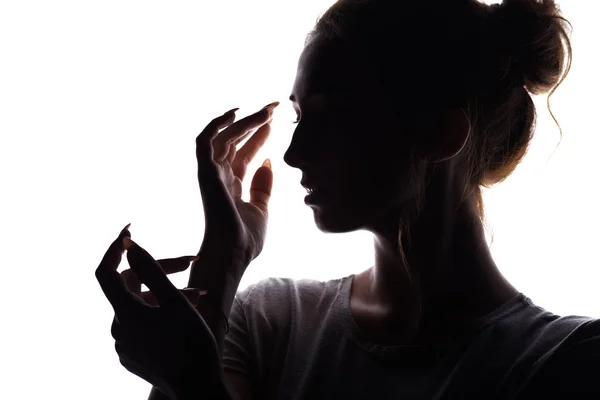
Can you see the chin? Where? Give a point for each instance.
(334, 220)
(344, 218)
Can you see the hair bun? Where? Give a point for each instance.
(534, 34)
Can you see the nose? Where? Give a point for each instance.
(299, 152)
(292, 158)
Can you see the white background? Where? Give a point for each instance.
(100, 103)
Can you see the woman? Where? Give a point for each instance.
(405, 110)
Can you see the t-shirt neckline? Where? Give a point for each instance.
(353, 332)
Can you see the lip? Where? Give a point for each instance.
(307, 184)
(310, 199)
(317, 194)
(314, 198)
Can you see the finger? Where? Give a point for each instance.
(231, 154)
(151, 274)
(193, 295)
(236, 132)
(115, 329)
(214, 192)
(178, 264)
(219, 208)
(131, 281)
(261, 186)
(230, 157)
(204, 146)
(243, 137)
(246, 154)
(169, 266)
(149, 298)
(110, 280)
(233, 147)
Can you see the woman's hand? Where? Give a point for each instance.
(235, 230)
(168, 345)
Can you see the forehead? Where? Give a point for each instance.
(329, 68)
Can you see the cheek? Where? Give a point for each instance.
(367, 170)
(362, 193)
(372, 183)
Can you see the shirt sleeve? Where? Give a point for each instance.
(573, 372)
(237, 354)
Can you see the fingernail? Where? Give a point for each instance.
(267, 163)
(231, 111)
(271, 106)
(128, 243)
(198, 295)
(194, 294)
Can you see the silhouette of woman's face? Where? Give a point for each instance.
(349, 142)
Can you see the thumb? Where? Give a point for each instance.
(260, 188)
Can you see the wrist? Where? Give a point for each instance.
(221, 289)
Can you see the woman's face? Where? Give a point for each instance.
(349, 142)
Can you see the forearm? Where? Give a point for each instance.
(221, 279)
(215, 308)
(211, 314)
(220, 275)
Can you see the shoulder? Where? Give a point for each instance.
(277, 298)
(276, 290)
(582, 345)
(582, 348)
(573, 368)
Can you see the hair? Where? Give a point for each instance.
(485, 59)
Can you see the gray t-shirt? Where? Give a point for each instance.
(298, 340)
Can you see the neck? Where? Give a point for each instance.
(447, 277)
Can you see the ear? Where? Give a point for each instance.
(444, 135)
